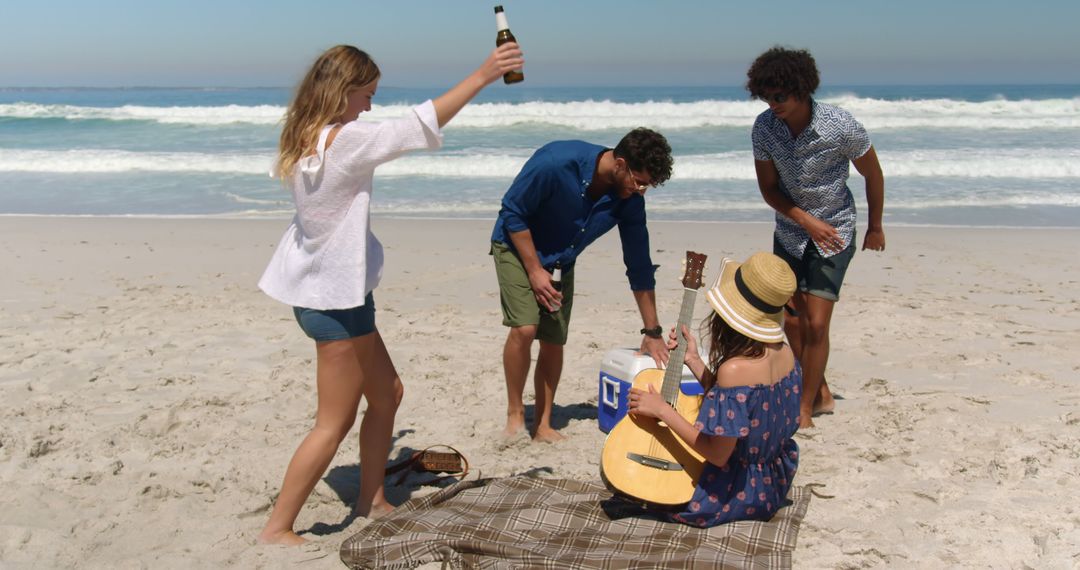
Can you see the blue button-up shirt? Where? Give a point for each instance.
(550, 198)
(813, 169)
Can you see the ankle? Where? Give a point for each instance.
(287, 537)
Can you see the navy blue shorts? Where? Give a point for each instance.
(337, 324)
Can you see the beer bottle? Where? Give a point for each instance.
(501, 38)
(556, 282)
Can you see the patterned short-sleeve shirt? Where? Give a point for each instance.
(814, 169)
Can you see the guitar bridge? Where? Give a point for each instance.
(654, 462)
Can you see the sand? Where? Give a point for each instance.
(150, 395)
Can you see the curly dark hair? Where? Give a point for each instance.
(728, 343)
(648, 150)
(792, 71)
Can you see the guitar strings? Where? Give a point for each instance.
(670, 390)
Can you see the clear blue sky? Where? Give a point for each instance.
(567, 42)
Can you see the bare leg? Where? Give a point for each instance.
(548, 370)
(793, 324)
(795, 327)
(339, 386)
(824, 402)
(815, 355)
(383, 390)
(517, 353)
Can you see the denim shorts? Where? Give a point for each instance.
(337, 324)
(819, 276)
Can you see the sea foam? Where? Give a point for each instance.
(875, 114)
(1028, 163)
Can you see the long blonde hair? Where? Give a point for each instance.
(320, 99)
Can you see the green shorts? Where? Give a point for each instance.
(519, 306)
(818, 276)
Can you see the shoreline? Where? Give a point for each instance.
(377, 216)
(150, 395)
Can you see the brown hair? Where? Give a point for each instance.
(727, 343)
(648, 150)
(792, 71)
(320, 99)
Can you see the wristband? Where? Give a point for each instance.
(655, 332)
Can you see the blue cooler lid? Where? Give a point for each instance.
(691, 387)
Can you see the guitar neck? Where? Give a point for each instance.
(673, 374)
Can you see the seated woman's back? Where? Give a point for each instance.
(773, 366)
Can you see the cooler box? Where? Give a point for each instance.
(617, 372)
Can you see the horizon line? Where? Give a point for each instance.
(568, 86)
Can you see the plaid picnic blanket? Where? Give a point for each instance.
(523, 522)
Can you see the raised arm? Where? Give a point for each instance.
(505, 58)
(692, 359)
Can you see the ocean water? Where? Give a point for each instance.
(952, 155)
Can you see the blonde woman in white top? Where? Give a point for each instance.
(328, 261)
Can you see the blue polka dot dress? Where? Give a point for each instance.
(754, 483)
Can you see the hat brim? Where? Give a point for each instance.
(738, 313)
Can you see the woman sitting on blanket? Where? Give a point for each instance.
(751, 406)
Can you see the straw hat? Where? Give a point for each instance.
(750, 296)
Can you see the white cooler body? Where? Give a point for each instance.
(617, 372)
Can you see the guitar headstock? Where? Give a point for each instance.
(693, 267)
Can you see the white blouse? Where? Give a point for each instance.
(328, 257)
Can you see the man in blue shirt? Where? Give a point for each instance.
(567, 195)
(802, 149)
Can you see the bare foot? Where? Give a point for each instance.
(824, 403)
(284, 538)
(377, 511)
(823, 408)
(515, 422)
(380, 511)
(547, 435)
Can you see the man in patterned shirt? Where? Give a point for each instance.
(801, 153)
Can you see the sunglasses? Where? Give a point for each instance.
(635, 183)
(778, 98)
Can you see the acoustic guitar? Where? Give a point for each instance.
(642, 458)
